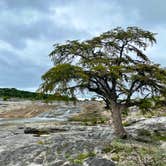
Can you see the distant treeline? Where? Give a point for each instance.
(7, 93)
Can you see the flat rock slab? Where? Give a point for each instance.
(54, 144)
(99, 161)
(60, 146)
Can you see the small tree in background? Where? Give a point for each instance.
(113, 65)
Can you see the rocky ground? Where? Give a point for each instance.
(29, 109)
(38, 141)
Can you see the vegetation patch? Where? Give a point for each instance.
(40, 142)
(157, 112)
(81, 157)
(91, 115)
(7, 93)
(147, 136)
(133, 153)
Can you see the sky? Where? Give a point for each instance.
(29, 28)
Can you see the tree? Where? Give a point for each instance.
(113, 65)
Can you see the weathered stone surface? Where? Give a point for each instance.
(30, 143)
(60, 148)
(152, 125)
(99, 162)
(54, 148)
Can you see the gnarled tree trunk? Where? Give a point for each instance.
(117, 120)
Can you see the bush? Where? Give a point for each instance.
(5, 98)
(91, 115)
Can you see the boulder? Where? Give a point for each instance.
(98, 162)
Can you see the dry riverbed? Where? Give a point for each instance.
(42, 135)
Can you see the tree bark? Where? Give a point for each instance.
(117, 121)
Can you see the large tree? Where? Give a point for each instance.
(113, 65)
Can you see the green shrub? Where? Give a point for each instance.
(5, 98)
(81, 157)
(91, 115)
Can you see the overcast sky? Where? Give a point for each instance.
(29, 28)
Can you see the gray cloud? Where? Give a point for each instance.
(40, 5)
(150, 12)
(29, 28)
(18, 72)
(23, 19)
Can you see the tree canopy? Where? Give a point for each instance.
(113, 65)
(10, 93)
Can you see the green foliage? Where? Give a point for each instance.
(91, 115)
(7, 93)
(125, 112)
(90, 119)
(107, 149)
(58, 97)
(5, 98)
(146, 105)
(113, 65)
(104, 65)
(40, 142)
(85, 155)
(81, 157)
